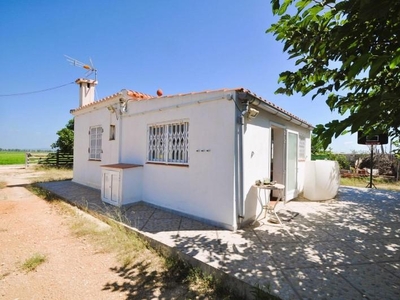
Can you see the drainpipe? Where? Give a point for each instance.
(120, 141)
(240, 205)
(123, 108)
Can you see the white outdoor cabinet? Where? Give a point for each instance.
(121, 183)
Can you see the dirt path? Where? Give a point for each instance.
(74, 268)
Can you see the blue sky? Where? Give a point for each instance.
(177, 45)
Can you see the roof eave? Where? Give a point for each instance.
(274, 109)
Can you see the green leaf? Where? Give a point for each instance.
(332, 100)
(395, 62)
(337, 85)
(377, 65)
(358, 65)
(315, 9)
(302, 4)
(275, 6)
(282, 9)
(348, 61)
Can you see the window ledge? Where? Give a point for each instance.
(166, 164)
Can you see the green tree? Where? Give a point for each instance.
(316, 145)
(65, 141)
(348, 52)
(319, 152)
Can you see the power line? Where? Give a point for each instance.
(35, 92)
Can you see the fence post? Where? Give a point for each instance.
(58, 158)
(26, 160)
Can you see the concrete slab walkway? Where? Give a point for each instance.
(347, 248)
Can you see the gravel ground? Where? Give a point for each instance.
(74, 268)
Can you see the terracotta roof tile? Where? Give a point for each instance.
(137, 96)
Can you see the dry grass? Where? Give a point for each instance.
(136, 258)
(379, 182)
(52, 174)
(31, 263)
(109, 237)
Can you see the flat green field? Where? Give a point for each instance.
(12, 157)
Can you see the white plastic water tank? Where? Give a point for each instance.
(322, 179)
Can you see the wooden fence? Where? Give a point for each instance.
(55, 159)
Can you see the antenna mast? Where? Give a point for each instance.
(89, 67)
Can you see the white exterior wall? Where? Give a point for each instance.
(204, 188)
(257, 156)
(256, 160)
(88, 172)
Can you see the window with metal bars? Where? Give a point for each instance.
(169, 143)
(95, 137)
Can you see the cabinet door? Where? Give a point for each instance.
(111, 187)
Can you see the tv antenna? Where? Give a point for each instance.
(89, 67)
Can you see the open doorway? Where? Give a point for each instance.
(277, 154)
(284, 152)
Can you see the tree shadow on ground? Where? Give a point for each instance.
(139, 282)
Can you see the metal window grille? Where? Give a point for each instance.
(95, 143)
(156, 143)
(169, 143)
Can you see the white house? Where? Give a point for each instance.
(198, 154)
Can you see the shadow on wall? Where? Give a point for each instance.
(251, 203)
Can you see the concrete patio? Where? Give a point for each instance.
(347, 248)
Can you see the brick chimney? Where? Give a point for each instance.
(86, 91)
